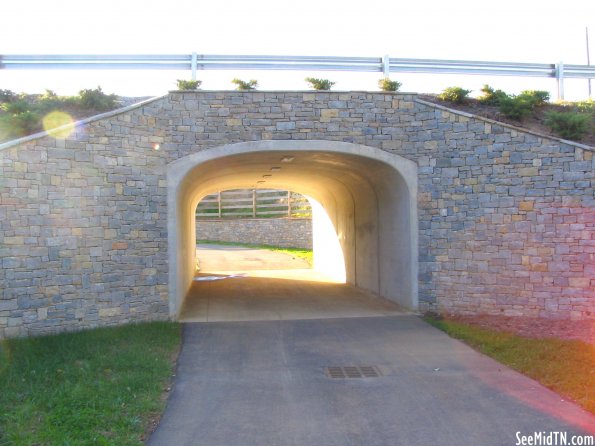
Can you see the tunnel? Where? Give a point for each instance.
(368, 197)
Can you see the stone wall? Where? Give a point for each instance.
(506, 217)
(82, 233)
(284, 232)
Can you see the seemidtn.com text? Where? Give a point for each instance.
(553, 439)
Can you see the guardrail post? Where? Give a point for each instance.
(386, 65)
(193, 66)
(560, 80)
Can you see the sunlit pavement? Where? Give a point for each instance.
(237, 284)
(266, 298)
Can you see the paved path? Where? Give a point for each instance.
(264, 383)
(282, 298)
(248, 289)
(213, 258)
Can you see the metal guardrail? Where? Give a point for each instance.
(385, 65)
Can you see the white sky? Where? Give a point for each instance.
(504, 30)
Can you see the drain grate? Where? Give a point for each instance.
(363, 371)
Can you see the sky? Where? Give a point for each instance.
(506, 30)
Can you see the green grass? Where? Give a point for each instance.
(306, 254)
(565, 366)
(96, 387)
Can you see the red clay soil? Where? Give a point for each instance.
(533, 327)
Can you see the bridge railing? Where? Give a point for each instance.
(386, 65)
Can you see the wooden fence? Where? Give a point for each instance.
(253, 203)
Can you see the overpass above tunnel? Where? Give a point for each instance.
(480, 217)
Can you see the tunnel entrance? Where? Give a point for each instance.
(257, 217)
(366, 195)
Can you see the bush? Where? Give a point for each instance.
(454, 94)
(568, 125)
(188, 85)
(516, 107)
(587, 106)
(245, 86)
(97, 100)
(386, 84)
(16, 107)
(537, 97)
(319, 84)
(519, 107)
(51, 101)
(21, 114)
(491, 96)
(19, 124)
(49, 94)
(7, 96)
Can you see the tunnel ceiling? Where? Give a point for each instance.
(307, 173)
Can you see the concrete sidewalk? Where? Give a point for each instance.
(264, 383)
(214, 258)
(266, 298)
(260, 285)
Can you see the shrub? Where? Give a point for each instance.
(16, 107)
(520, 106)
(19, 124)
(320, 84)
(385, 84)
(537, 97)
(516, 107)
(50, 101)
(587, 106)
(454, 94)
(568, 125)
(97, 100)
(7, 96)
(491, 96)
(188, 85)
(49, 94)
(245, 86)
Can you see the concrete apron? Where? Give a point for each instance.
(264, 383)
(252, 298)
(240, 284)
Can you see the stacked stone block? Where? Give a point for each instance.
(506, 217)
(82, 234)
(283, 232)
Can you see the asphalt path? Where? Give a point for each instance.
(266, 383)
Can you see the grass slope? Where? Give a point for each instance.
(95, 387)
(565, 366)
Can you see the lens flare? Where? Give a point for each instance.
(58, 124)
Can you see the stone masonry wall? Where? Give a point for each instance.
(284, 232)
(506, 217)
(82, 232)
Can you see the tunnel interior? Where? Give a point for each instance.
(366, 197)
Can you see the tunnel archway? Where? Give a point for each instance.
(368, 194)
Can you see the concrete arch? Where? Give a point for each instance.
(370, 196)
